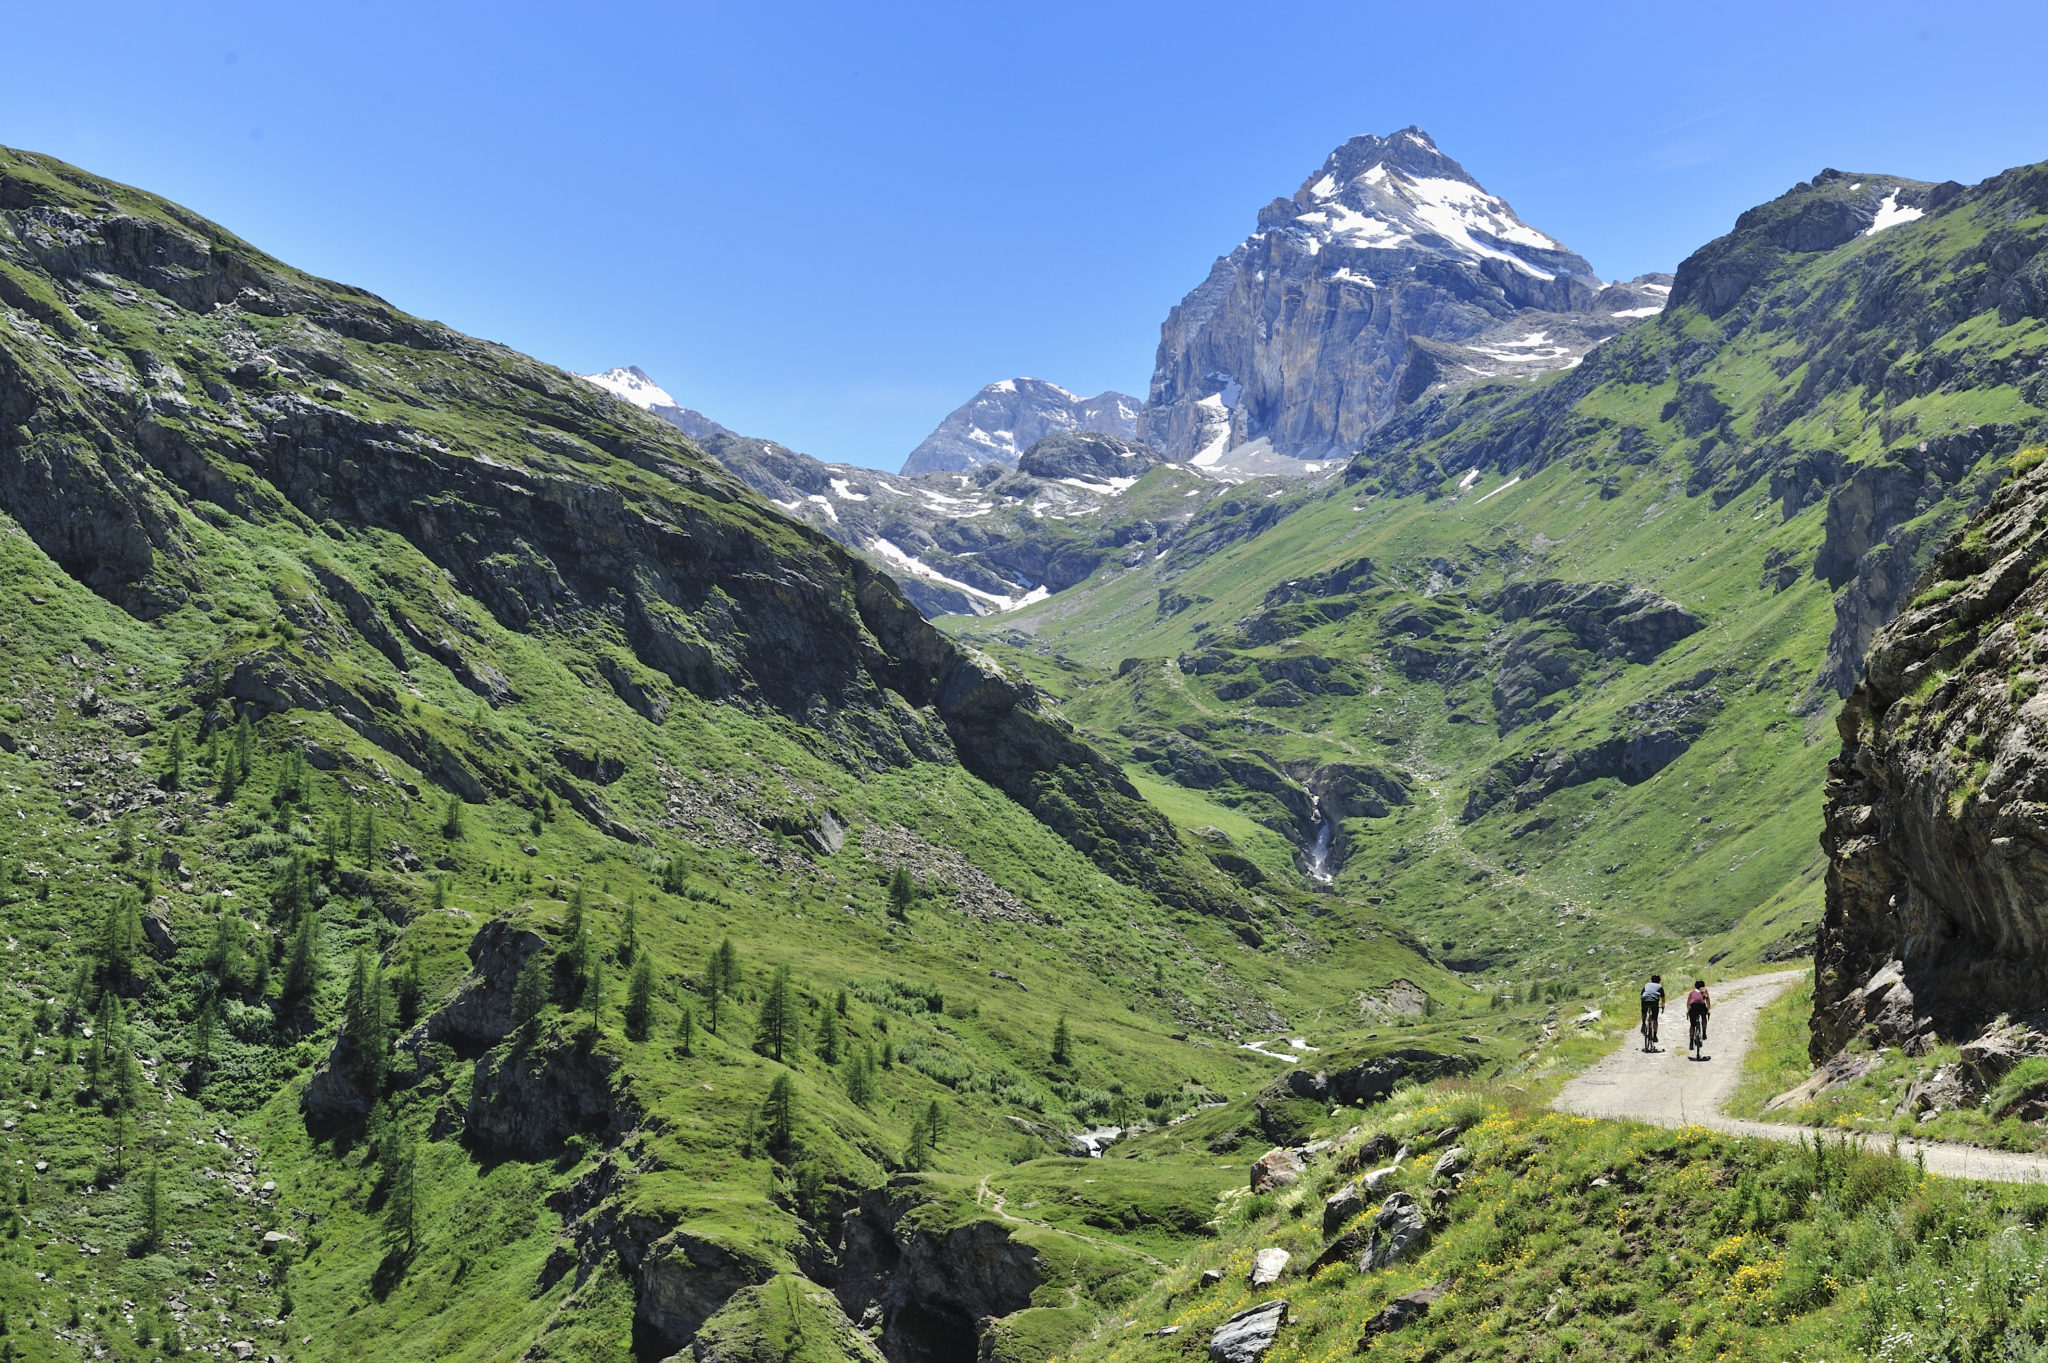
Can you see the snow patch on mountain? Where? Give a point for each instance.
(632, 384)
(1890, 214)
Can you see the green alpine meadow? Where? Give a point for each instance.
(495, 865)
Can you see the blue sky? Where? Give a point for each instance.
(830, 224)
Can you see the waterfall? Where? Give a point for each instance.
(1319, 849)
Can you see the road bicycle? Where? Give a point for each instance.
(1649, 1029)
(1698, 1041)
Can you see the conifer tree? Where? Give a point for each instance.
(530, 991)
(640, 999)
(406, 991)
(629, 936)
(935, 1123)
(401, 1200)
(1062, 1043)
(686, 1031)
(366, 845)
(174, 760)
(917, 1151)
(860, 1079)
(773, 1030)
(839, 1005)
(778, 1115)
(362, 1025)
(152, 1236)
(902, 891)
(301, 971)
(576, 949)
(451, 820)
(828, 1037)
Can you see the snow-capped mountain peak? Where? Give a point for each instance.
(1300, 336)
(632, 384)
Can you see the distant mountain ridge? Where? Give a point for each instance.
(1003, 420)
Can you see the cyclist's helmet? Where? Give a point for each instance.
(1699, 984)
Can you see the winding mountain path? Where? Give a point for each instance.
(1668, 1088)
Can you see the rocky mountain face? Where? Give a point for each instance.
(999, 423)
(1936, 837)
(1300, 338)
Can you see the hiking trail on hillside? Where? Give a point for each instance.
(1667, 1087)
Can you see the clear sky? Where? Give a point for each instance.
(830, 224)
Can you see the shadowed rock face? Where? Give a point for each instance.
(1937, 809)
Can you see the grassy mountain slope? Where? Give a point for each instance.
(351, 665)
(1539, 778)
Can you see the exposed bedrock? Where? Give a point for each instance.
(1937, 807)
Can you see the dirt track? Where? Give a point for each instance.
(1668, 1088)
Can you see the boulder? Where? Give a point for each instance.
(1247, 1335)
(1379, 1178)
(1267, 1266)
(1397, 1228)
(1452, 1161)
(1340, 1206)
(1403, 1310)
(1941, 1091)
(1841, 1069)
(1276, 1169)
(1993, 1055)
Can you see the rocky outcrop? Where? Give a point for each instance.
(527, 1100)
(999, 423)
(1833, 209)
(479, 1015)
(1089, 456)
(1877, 528)
(1935, 831)
(929, 1283)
